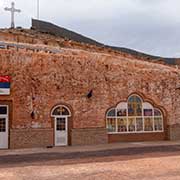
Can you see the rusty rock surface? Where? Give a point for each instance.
(42, 80)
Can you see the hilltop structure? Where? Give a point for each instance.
(64, 92)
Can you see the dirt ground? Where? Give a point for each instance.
(142, 163)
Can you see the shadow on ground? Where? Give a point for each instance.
(88, 157)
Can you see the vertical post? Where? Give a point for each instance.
(38, 9)
(12, 16)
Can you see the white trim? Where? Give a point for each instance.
(4, 91)
(145, 105)
(135, 132)
(5, 136)
(56, 116)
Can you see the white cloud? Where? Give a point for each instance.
(1, 3)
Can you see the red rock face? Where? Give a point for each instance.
(39, 81)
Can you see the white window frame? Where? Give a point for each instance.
(6, 133)
(127, 120)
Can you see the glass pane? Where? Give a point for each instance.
(134, 106)
(139, 124)
(61, 111)
(158, 124)
(112, 113)
(61, 124)
(131, 124)
(3, 110)
(131, 111)
(131, 99)
(2, 125)
(157, 112)
(148, 124)
(139, 110)
(122, 124)
(111, 124)
(121, 112)
(148, 112)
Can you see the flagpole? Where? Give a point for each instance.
(38, 9)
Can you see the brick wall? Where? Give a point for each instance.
(40, 81)
(174, 132)
(89, 136)
(28, 138)
(136, 137)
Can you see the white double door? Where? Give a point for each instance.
(61, 131)
(4, 127)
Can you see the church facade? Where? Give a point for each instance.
(79, 97)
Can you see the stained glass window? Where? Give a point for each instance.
(111, 113)
(134, 106)
(121, 112)
(158, 123)
(139, 124)
(61, 111)
(148, 112)
(111, 124)
(131, 124)
(157, 112)
(134, 116)
(148, 124)
(122, 124)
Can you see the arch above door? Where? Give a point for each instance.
(60, 110)
(61, 115)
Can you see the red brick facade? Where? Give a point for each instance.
(41, 80)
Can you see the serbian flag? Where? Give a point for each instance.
(4, 85)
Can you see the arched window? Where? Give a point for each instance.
(60, 110)
(111, 120)
(134, 116)
(134, 106)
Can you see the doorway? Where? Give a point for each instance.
(61, 131)
(4, 127)
(61, 116)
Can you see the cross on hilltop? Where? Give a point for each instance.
(12, 10)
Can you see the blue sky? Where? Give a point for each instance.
(150, 26)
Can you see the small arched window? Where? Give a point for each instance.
(60, 110)
(134, 116)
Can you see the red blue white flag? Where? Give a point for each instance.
(4, 85)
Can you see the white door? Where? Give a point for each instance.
(3, 127)
(61, 131)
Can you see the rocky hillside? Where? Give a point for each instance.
(46, 27)
(70, 40)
